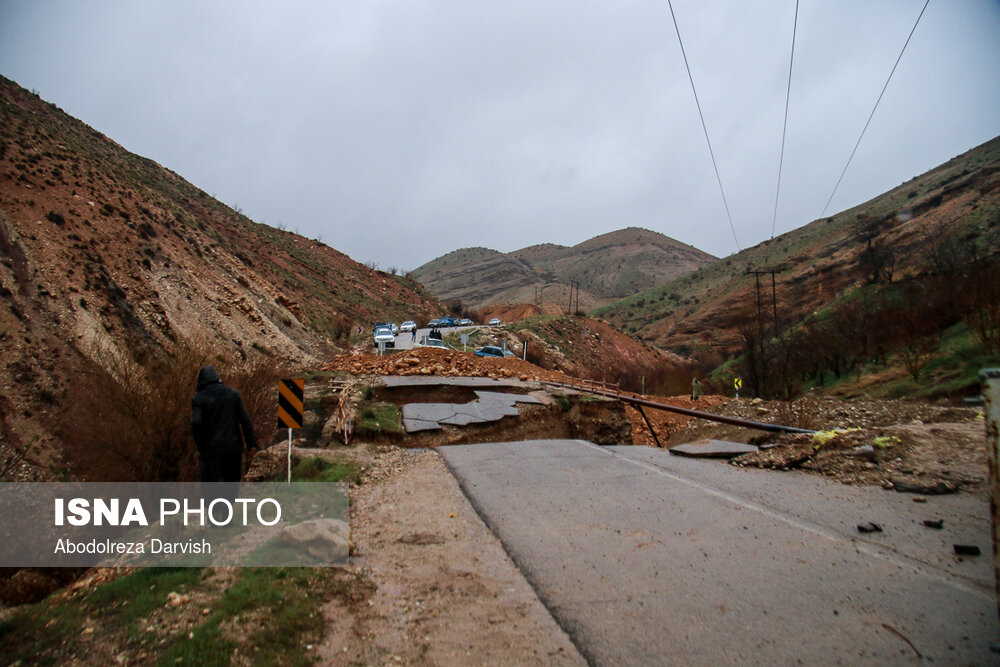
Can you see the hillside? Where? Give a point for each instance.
(930, 232)
(606, 267)
(108, 255)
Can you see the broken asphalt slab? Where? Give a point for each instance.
(712, 449)
(490, 406)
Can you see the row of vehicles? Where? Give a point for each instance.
(384, 334)
(443, 322)
(436, 323)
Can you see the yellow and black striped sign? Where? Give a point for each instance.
(290, 393)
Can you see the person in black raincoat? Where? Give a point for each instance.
(221, 427)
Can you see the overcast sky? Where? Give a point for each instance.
(396, 131)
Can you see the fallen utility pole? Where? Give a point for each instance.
(722, 419)
(649, 424)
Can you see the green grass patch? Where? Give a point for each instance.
(37, 633)
(378, 419)
(46, 632)
(955, 370)
(316, 469)
(267, 616)
(276, 608)
(126, 601)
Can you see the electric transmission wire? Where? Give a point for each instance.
(784, 127)
(703, 126)
(872, 114)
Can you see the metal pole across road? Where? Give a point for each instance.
(723, 419)
(735, 421)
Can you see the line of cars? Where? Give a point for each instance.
(444, 322)
(384, 334)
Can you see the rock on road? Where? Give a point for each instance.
(647, 558)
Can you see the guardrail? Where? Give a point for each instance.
(601, 388)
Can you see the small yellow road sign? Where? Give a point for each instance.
(290, 395)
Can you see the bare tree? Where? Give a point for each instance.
(877, 259)
(983, 312)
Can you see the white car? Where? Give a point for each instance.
(408, 325)
(432, 342)
(384, 335)
(394, 328)
(495, 322)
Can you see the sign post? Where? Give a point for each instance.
(737, 385)
(290, 395)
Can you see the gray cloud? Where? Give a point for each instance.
(397, 131)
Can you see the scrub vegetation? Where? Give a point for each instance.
(170, 616)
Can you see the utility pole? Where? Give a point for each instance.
(762, 364)
(573, 284)
(774, 300)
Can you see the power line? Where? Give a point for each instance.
(703, 126)
(872, 114)
(784, 127)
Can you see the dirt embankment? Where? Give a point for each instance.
(435, 361)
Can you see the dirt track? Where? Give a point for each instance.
(447, 593)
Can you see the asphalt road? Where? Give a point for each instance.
(404, 341)
(646, 558)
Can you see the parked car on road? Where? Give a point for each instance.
(493, 351)
(434, 323)
(383, 334)
(448, 321)
(432, 342)
(465, 322)
(394, 328)
(495, 322)
(408, 325)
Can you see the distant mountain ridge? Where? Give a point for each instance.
(606, 268)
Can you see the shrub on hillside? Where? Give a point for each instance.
(127, 422)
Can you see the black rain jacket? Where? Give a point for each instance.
(218, 416)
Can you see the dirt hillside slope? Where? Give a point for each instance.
(107, 253)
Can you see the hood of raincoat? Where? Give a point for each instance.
(206, 376)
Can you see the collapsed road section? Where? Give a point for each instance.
(440, 410)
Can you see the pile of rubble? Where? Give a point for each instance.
(447, 363)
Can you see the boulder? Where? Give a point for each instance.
(326, 539)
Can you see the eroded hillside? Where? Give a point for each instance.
(950, 214)
(106, 253)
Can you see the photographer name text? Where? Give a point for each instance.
(151, 546)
